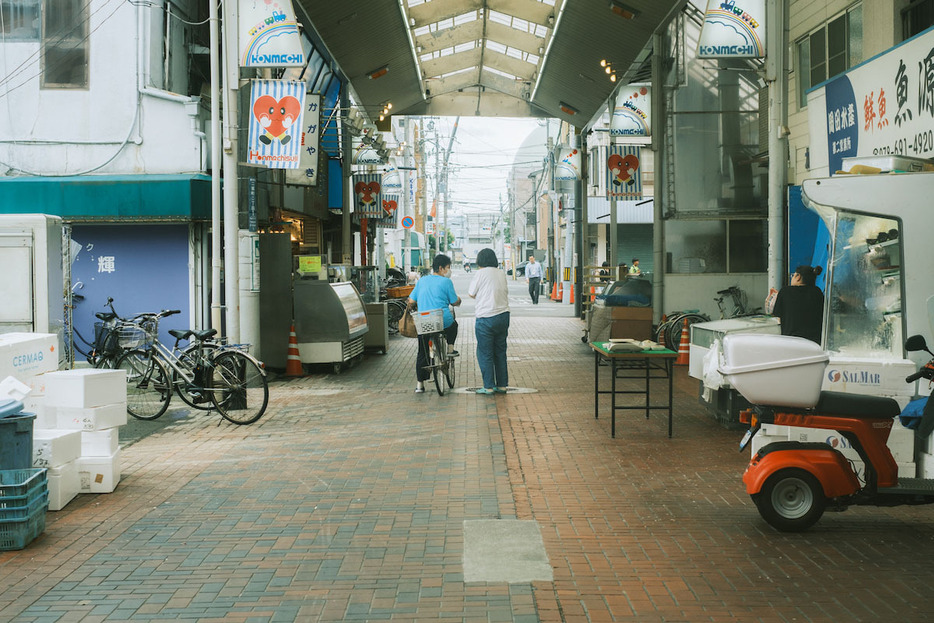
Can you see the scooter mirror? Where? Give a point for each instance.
(915, 342)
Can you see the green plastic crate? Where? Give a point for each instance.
(19, 482)
(19, 513)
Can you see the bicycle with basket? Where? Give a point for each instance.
(430, 327)
(206, 374)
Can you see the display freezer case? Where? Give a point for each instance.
(330, 322)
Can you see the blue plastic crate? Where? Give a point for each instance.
(16, 440)
(19, 513)
(17, 501)
(19, 482)
(18, 534)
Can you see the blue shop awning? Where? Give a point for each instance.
(110, 198)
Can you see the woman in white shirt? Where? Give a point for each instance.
(490, 290)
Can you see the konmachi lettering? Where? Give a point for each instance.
(707, 50)
(274, 59)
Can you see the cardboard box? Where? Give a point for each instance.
(99, 474)
(24, 355)
(85, 388)
(634, 329)
(64, 485)
(54, 448)
(91, 418)
(100, 442)
(630, 313)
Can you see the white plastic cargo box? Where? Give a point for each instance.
(100, 442)
(91, 418)
(99, 474)
(64, 485)
(85, 388)
(53, 448)
(24, 355)
(774, 369)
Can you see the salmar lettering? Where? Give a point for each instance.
(860, 377)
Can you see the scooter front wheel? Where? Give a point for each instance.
(791, 500)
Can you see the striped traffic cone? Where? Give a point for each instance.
(684, 349)
(293, 364)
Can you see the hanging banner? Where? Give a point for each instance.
(624, 177)
(632, 116)
(884, 107)
(275, 123)
(568, 166)
(306, 174)
(365, 153)
(269, 34)
(392, 181)
(390, 207)
(368, 200)
(733, 29)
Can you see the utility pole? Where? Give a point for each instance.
(231, 171)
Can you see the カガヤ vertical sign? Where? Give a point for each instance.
(306, 174)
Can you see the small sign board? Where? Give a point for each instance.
(408, 222)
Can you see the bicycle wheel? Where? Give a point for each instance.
(238, 387)
(437, 355)
(395, 308)
(148, 391)
(449, 369)
(673, 334)
(193, 394)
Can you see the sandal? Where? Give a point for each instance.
(484, 391)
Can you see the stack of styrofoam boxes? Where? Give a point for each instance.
(26, 357)
(901, 444)
(58, 451)
(93, 402)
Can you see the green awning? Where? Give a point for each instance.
(110, 198)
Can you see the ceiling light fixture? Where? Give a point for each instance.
(567, 108)
(608, 68)
(623, 10)
(379, 73)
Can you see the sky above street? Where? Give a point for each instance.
(484, 151)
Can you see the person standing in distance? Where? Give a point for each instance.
(533, 276)
(434, 291)
(634, 270)
(491, 292)
(800, 304)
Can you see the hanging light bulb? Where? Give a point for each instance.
(603, 63)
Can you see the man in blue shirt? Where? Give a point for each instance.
(533, 275)
(434, 291)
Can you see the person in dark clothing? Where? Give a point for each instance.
(800, 305)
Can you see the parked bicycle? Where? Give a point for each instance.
(205, 374)
(430, 327)
(737, 307)
(668, 332)
(104, 350)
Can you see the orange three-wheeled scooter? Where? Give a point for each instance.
(792, 483)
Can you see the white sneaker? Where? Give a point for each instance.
(419, 388)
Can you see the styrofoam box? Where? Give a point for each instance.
(53, 448)
(774, 369)
(928, 445)
(91, 418)
(864, 375)
(64, 485)
(24, 355)
(99, 474)
(45, 415)
(100, 442)
(925, 465)
(85, 388)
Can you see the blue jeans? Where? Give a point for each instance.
(491, 349)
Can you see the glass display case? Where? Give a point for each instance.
(865, 286)
(366, 280)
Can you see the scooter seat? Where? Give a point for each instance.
(857, 406)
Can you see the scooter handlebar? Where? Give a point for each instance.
(911, 378)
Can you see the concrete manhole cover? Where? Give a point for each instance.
(509, 390)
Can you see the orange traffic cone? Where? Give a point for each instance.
(684, 349)
(554, 291)
(572, 296)
(293, 364)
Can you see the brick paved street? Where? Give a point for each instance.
(347, 502)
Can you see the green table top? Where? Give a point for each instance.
(602, 347)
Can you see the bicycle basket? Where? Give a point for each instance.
(105, 339)
(138, 335)
(430, 321)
